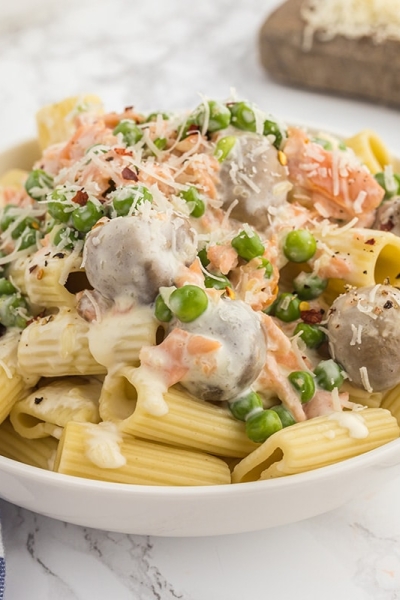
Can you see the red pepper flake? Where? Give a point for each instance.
(371, 241)
(40, 274)
(192, 129)
(312, 316)
(81, 197)
(127, 173)
(123, 152)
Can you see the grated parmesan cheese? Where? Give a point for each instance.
(356, 338)
(365, 379)
(353, 19)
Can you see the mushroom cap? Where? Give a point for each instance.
(134, 256)
(251, 174)
(364, 335)
(242, 354)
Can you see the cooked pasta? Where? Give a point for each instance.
(48, 409)
(317, 443)
(371, 150)
(199, 298)
(212, 429)
(35, 452)
(102, 452)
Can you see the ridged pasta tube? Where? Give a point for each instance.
(317, 443)
(102, 452)
(51, 406)
(370, 149)
(37, 453)
(118, 338)
(46, 274)
(189, 423)
(12, 384)
(369, 257)
(57, 345)
(391, 401)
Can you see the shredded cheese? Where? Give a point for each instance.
(365, 379)
(353, 19)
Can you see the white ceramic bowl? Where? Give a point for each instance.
(196, 511)
(188, 511)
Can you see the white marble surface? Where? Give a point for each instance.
(161, 54)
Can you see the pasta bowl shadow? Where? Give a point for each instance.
(196, 511)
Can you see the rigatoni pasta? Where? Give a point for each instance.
(201, 298)
(48, 409)
(102, 452)
(317, 443)
(39, 452)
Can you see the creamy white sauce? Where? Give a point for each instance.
(103, 446)
(353, 422)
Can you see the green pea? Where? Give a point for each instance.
(284, 414)
(14, 310)
(28, 223)
(328, 375)
(160, 143)
(224, 147)
(311, 335)
(130, 195)
(6, 287)
(287, 308)
(85, 217)
(303, 383)
(271, 128)
(245, 405)
(248, 245)
(153, 116)
(219, 116)
(48, 225)
(299, 246)
(28, 239)
(243, 116)
(265, 264)
(309, 285)
(219, 282)
(382, 180)
(39, 184)
(66, 238)
(188, 303)
(161, 310)
(9, 214)
(271, 309)
(262, 425)
(192, 197)
(202, 254)
(131, 133)
(58, 206)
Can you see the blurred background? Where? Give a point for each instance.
(154, 54)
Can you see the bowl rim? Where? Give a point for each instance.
(370, 458)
